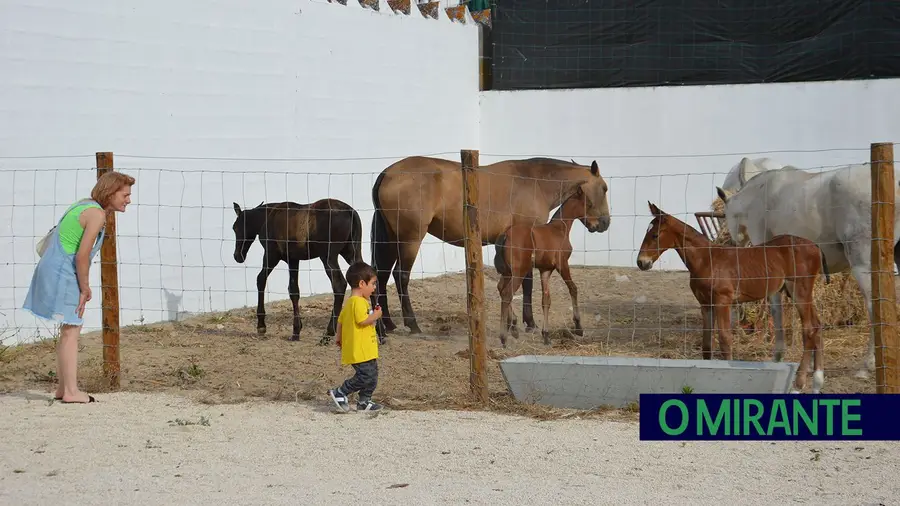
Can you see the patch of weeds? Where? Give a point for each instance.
(204, 421)
(632, 407)
(141, 329)
(191, 373)
(687, 389)
(49, 377)
(218, 318)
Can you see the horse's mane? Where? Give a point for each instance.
(543, 159)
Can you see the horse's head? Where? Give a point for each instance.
(657, 240)
(574, 208)
(245, 229)
(596, 199)
(747, 169)
(734, 217)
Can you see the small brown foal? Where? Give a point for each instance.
(521, 248)
(723, 275)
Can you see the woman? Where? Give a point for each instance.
(59, 287)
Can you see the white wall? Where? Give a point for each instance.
(673, 145)
(333, 93)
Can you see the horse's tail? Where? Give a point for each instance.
(500, 263)
(379, 234)
(824, 266)
(352, 251)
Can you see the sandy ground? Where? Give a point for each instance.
(166, 449)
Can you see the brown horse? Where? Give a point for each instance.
(723, 275)
(421, 195)
(522, 248)
(293, 232)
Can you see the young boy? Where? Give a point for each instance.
(358, 340)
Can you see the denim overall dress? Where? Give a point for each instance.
(54, 293)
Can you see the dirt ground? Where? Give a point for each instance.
(218, 358)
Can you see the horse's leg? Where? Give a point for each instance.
(409, 250)
(819, 375)
(777, 311)
(504, 286)
(545, 303)
(723, 322)
(803, 301)
(384, 256)
(812, 329)
(573, 293)
(294, 291)
(339, 288)
(859, 255)
(897, 256)
(268, 265)
(527, 314)
(512, 286)
(708, 314)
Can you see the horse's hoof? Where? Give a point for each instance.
(778, 356)
(260, 330)
(388, 325)
(294, 338)
(546, 336)
(578, 332)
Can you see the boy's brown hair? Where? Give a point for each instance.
(108, 184)
(360, 271)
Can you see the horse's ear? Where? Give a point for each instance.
(595, 170)
(746, 165)
(722, 194)
(237, 208)
(653, 209)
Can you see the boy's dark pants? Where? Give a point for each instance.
(364, 381)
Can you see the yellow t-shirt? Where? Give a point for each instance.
(359, 343)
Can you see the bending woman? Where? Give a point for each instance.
(59, 287)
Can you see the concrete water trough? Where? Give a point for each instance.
(589, 382)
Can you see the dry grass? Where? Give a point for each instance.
(218, 358)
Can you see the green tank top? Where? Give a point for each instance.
(70, 230)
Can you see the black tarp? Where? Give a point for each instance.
(614, 43)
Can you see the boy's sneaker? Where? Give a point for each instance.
(340, 400)
(368, 406)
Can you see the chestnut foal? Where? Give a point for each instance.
(521, 248)
(724, 275)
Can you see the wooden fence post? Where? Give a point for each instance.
(109, 287)
(884, 321)
(474, 277)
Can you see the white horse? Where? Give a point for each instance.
(832, 208)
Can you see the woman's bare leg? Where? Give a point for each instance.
(67, 365)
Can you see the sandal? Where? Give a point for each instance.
(90, 399)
